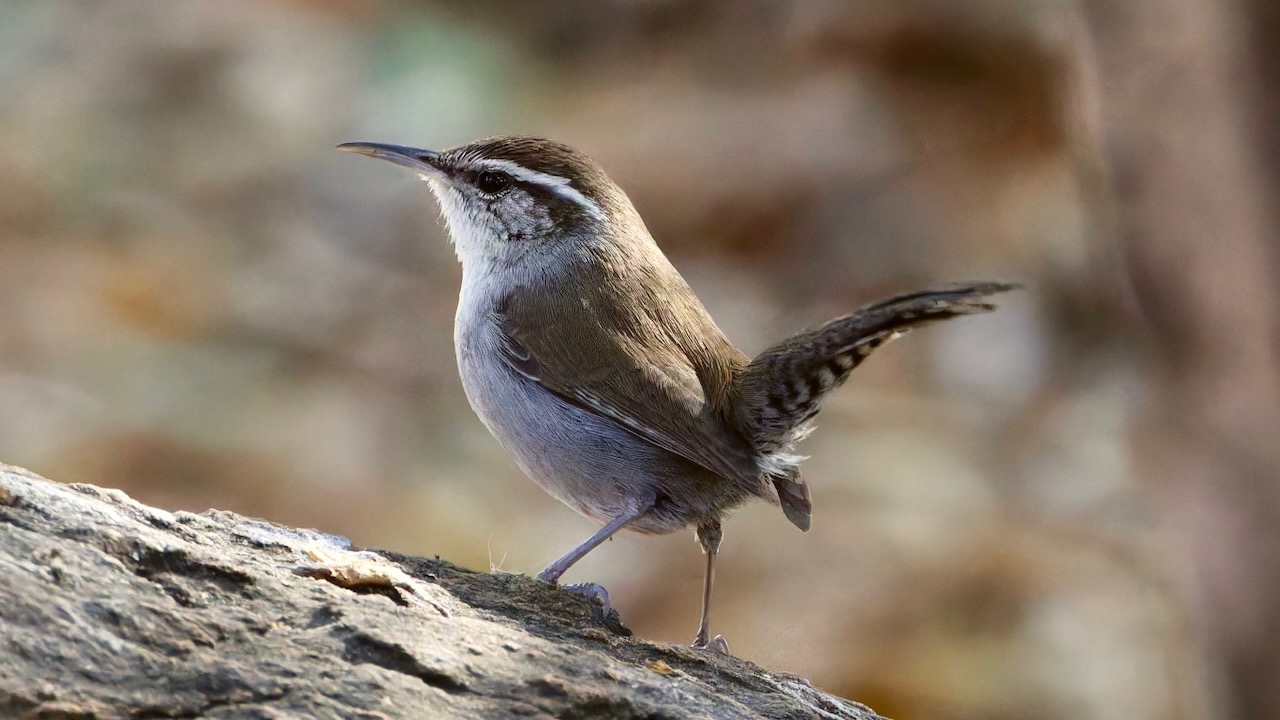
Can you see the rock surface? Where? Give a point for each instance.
(110, 608)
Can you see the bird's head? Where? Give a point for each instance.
(507, 199)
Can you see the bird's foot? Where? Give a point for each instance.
(716, 644)
(587, 590)
(608, 615)
(592, 590)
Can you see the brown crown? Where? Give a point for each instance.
(542, 155)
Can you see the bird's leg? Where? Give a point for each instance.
(709, 535)
(557, 568)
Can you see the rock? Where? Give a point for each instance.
(113, 609)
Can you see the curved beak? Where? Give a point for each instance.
(424, 161)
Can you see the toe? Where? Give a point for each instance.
(591, 590)
(717, 645)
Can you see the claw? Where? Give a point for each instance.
(716, 645)
(592, 590)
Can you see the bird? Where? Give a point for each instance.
(588, 357)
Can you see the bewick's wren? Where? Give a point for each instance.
(589, 358)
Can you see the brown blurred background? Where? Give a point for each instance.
(1066, 509)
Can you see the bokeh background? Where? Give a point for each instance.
(1065, 509)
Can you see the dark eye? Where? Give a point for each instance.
(491, 182)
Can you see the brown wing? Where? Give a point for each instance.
(624, 363)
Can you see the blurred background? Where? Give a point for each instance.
(1068, 508)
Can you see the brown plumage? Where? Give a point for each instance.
(783, 388)
(587, 355)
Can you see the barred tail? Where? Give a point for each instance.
(784, 387)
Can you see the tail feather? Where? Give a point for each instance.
(783, 388)
(793, 496)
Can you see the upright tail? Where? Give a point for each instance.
(783, 388)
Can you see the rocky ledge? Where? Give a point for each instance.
(113, 609)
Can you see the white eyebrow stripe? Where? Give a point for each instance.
(556, 184)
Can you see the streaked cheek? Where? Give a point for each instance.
(523, 216)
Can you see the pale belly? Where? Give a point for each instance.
(584, 460)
